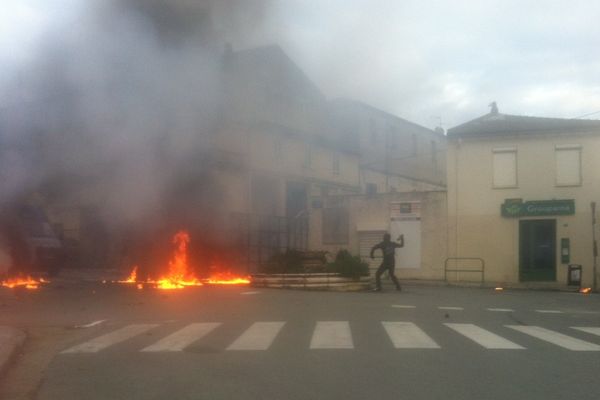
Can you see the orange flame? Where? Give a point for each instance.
(227, 279)
(132, 278)
(23, 282)
(179, 275)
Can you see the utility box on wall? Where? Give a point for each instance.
(574, 275)
(565, 251)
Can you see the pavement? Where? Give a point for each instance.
(77, 275)
(11, 342)
(99, 341)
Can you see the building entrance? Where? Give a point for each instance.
(537, 250)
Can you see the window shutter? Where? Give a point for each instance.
(568, 166)
(505, 168)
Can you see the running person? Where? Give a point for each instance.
(388, 249)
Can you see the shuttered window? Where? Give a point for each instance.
(505, 167)
(568, 165)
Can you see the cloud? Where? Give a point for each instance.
(448, 59)
(416, 58)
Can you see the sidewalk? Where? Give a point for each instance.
(100, 274)
(11, 342)
(547, 286)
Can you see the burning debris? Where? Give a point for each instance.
(180, 275)
(26, 282)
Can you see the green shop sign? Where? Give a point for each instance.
(513, 208)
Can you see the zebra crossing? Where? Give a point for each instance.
(337, 335)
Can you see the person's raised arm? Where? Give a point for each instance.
(401, 241)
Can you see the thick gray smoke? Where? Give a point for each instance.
(116, 110)
(118, 106)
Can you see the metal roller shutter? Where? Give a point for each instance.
(366, 241)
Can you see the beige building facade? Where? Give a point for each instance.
(419, 216)
(520, 191)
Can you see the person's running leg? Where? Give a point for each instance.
(378, 274)
(393, 276)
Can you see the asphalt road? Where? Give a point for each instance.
(114, 342)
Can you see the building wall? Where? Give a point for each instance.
(386, 183)
(298, 158)
(389, 143)
(475, 225)
(372, 213)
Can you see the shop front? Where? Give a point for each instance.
(538, 250)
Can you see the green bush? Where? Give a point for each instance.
(348, 266)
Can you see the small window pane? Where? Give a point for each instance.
(505, 169)
(568, 167)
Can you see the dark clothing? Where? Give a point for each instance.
(388, 248)
(382, 268)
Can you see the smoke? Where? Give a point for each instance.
(118, 100)
(116, 108)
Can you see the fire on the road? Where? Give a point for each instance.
(227, 279)
(26, 282)
(179, 274)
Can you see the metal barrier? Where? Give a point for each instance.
(482, 270)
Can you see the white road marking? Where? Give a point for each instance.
(332, 335)
(111, 338)
(183, 337)
(592, 330)
(556, 338)
(483, 337)
(258, 337)
(250, 293)
(549, 311)
(406, 335)
(450, 308)
(401, 306)
(91, 324)
(501, 309)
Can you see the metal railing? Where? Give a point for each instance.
(481, 270)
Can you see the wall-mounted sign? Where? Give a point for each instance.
(538, 208)
(405, 211)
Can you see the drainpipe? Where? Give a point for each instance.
(595, 246)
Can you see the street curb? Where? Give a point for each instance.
(490, 285)
(11, 343)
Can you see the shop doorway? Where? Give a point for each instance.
(537, 250)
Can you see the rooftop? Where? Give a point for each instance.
(496, 124)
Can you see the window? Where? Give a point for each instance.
(373, 132)
(393, 137)
(505, 167)
(371, 188)
(308, 156)
(568, 165)
(336, 164)
(335, 226)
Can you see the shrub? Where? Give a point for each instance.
(348, 266)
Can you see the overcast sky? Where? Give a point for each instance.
(426, 61)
